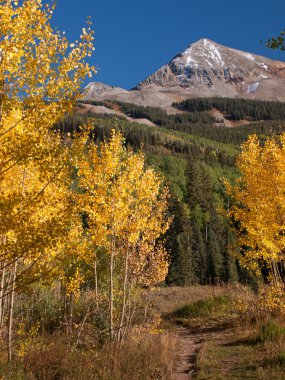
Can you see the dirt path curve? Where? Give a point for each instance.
(190, 341)
(189, 346)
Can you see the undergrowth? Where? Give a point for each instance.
(138, 358)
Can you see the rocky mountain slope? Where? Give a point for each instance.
(205, 68)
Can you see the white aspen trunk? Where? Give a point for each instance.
(2, 294)
(2, 94)
(96, 279)
(120, 335)
(111, 295)
(10, 316)
(5, 302)
(129, 313)
(2, 284)
(70, 318)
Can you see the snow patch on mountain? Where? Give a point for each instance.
(213, 52)
(263, 65)
(252, 87)
(248, 56)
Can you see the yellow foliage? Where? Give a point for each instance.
(41, 232)
(260, 203)
(268, 301)
(72, 284)
(26, 337)
(126, 207)
(271, 299)
(40, 79)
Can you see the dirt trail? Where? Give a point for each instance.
(189, 346)
(190, 342)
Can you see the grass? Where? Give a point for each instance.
(255, 351)
(226, 357)
(167, 300)
(229, 348)
(271, 331)
(204, 308)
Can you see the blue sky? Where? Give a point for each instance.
(133, 38)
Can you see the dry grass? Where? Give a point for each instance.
(237, 342)
(144, 357)
(238, 355)
(233, 343)
(166, 300)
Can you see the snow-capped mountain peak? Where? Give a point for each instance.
(205, 68)
(206, 65)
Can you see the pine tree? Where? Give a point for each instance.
(179, 243)
(214, 258)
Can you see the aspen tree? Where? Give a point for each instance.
(259, 204)
(126, 205)
(40, 77)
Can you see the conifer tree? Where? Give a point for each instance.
(179, 245)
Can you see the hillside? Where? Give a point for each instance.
(194, 150)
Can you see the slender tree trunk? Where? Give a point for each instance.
(96, 279)
(65, 310)
(120, 335)
(132, 310)
(2, 93)
(71, 303)
(11, 309)
(70, 317)
(129, 311)
(111, 294)
(3, 272)
(5, 304)
(2, 294)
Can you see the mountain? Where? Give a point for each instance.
(204, 69)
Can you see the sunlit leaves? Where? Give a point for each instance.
(40, 79)
(126, 206)
(260, 201)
